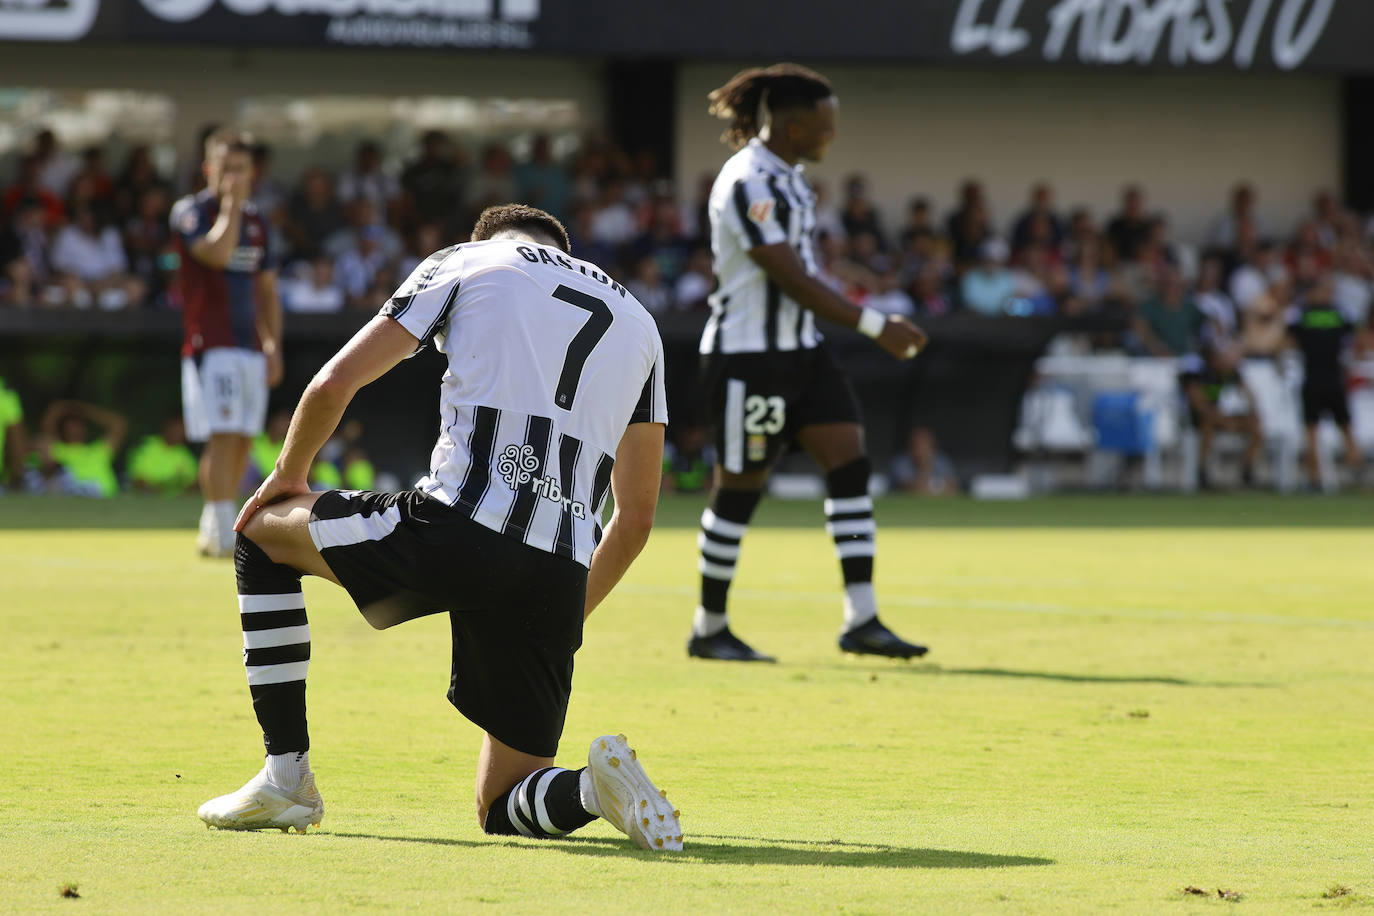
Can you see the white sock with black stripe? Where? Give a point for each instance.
(849, 522)
(723, 526)
(547, 803)
(276, 657)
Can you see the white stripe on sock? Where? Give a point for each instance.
(853, 526)
(717, 551)
(849, 504)
(511, 815)
(717, 525)
(283, 636)
(540, 810)
(846, 549)
(257, 604)
(353, 529)
(277, 674)
(715, 570)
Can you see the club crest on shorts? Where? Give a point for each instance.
(758, 447)
(760, 211)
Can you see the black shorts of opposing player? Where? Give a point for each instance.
(759, 401)
(276, 640)
(515, 612)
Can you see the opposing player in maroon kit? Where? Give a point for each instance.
(232, 327)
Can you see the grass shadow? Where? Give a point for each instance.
(710, 849)
(1061, 676)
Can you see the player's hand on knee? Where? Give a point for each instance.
(274, 489)
(901, 338)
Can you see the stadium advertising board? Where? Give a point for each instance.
(1241, 34)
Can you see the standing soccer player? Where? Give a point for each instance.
(232, 326)
(553, 396)
(768, 376)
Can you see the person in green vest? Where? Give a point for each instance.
(358, 472)
(84, 467)
(164, 463)
(14, 444)
(267, 445)
(689, 461)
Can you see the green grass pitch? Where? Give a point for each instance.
(1126, 697)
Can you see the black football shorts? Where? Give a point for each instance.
(515, 611)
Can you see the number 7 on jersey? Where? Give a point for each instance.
(583, 342)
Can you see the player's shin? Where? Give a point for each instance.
(547, 803)
(276, 655)
(849, 521)
(723, 526)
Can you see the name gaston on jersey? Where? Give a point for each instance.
(540, 255)
(517, 466)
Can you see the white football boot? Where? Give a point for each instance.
(628, 799)
(260, 805)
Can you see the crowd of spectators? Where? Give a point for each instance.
(73, 233)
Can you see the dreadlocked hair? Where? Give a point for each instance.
(775, 88)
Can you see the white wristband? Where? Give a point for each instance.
(871, 322)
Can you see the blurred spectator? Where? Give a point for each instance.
(28, 189)
(1168, 323)
(356, 268)
(1038, 223)
(923, 469)
(827, 215)
(1218, 401)
(1089, 280)
(1220, 313)
(432, 183)
(888, 295)
(423, 242)
(1241, 213)
(312, 215)
(1256, 270)
(163, 463)
(25, 249)
(648, 287)
(1306, 250)
(1326, 215)
(696, 281)
(859, 215)
(918, 222)
(93, 254)
(689, 460)
(493, 184)
(1352, 281)
(1031, 283)
(969, 225)
(95, 178)
(357, 470)
(268, 194)
(1128, 230)
(362, 215)
(1322, 332)
(71, 462)
(928, 292)
(314, 291)
(135, 179)
(698, 224)
(988, 286)
(147, 240)
(1082, 230)
(612, 220)
(664, 240)
(14, 442)
(542, 182)
(368, 180)
(56, 167)
(1261, 325)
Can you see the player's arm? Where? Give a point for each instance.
(894, 334)
(378, 345)
(269, 319)
(634, 486)
(216, 246)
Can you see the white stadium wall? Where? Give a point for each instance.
(1186, 137)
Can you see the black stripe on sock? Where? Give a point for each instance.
(850, 516)
(719, 538)
(273, 620)
(276, 655)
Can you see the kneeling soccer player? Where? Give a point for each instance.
(553, 396)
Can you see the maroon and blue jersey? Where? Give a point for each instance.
(219, 308)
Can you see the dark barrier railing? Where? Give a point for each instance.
(966, 386)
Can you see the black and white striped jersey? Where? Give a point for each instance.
(549, 360)
(757, 200)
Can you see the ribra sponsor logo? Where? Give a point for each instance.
(53, 20)
(447, 10)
